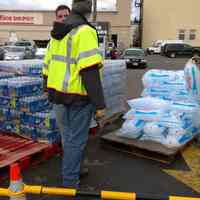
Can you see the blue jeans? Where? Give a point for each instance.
(73, 122)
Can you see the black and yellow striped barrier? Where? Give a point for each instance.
(39, 190)
(18, 189)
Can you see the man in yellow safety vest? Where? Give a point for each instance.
(72, 74)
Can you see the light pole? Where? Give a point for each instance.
(94, 14)
(139, 4)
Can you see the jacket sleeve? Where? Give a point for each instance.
(88, 53)
(92, 82)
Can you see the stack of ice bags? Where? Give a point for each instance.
(169, 110)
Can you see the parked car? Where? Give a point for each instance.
(17, 53)
(1, 53)
(135, 57)
(28, 44)
(174, 50)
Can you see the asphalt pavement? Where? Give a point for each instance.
(111, 170)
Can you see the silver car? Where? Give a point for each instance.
(135, 57)
(16, 53)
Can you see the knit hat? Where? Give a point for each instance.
(83, 7)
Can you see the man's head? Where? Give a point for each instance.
(62, 11)
(83, 7)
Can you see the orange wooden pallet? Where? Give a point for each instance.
(14, 148)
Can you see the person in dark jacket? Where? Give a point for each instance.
(74, 110)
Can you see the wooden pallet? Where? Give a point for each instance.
(24, 151)
(110, 120)
(145, 149)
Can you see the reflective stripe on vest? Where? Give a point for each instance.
(73, 60)
(68, 59)
(87, 54)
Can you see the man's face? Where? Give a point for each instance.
(61, 15)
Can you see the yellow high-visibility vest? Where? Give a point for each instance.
(67, 57)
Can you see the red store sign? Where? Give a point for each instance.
(16, 19)
(20, 18)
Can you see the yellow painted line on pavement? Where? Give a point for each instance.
(190, 178)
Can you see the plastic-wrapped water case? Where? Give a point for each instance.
(8, 114)
(24, 86)
(5, 114)
(23, 67)
(9, 102)
(45, 119)
(5, 102)
(34, 103)
(4, 87)
(50, 136)
(10, 126)
(4, 75)
(28, 131)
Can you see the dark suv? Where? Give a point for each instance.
(173, 50)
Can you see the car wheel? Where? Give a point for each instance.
(196, 54)
(128, 65)
(172, 55)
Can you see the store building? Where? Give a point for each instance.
(36, 25)
(172, 19)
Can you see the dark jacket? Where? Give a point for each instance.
(90, 76)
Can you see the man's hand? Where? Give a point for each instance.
(100, 114)
(45, 93)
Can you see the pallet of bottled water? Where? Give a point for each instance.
(23, 67)
(114, 86)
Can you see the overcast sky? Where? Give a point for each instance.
(50, 4)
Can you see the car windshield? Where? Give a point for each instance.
(14, 49)
(22, 44)
(133, 52)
